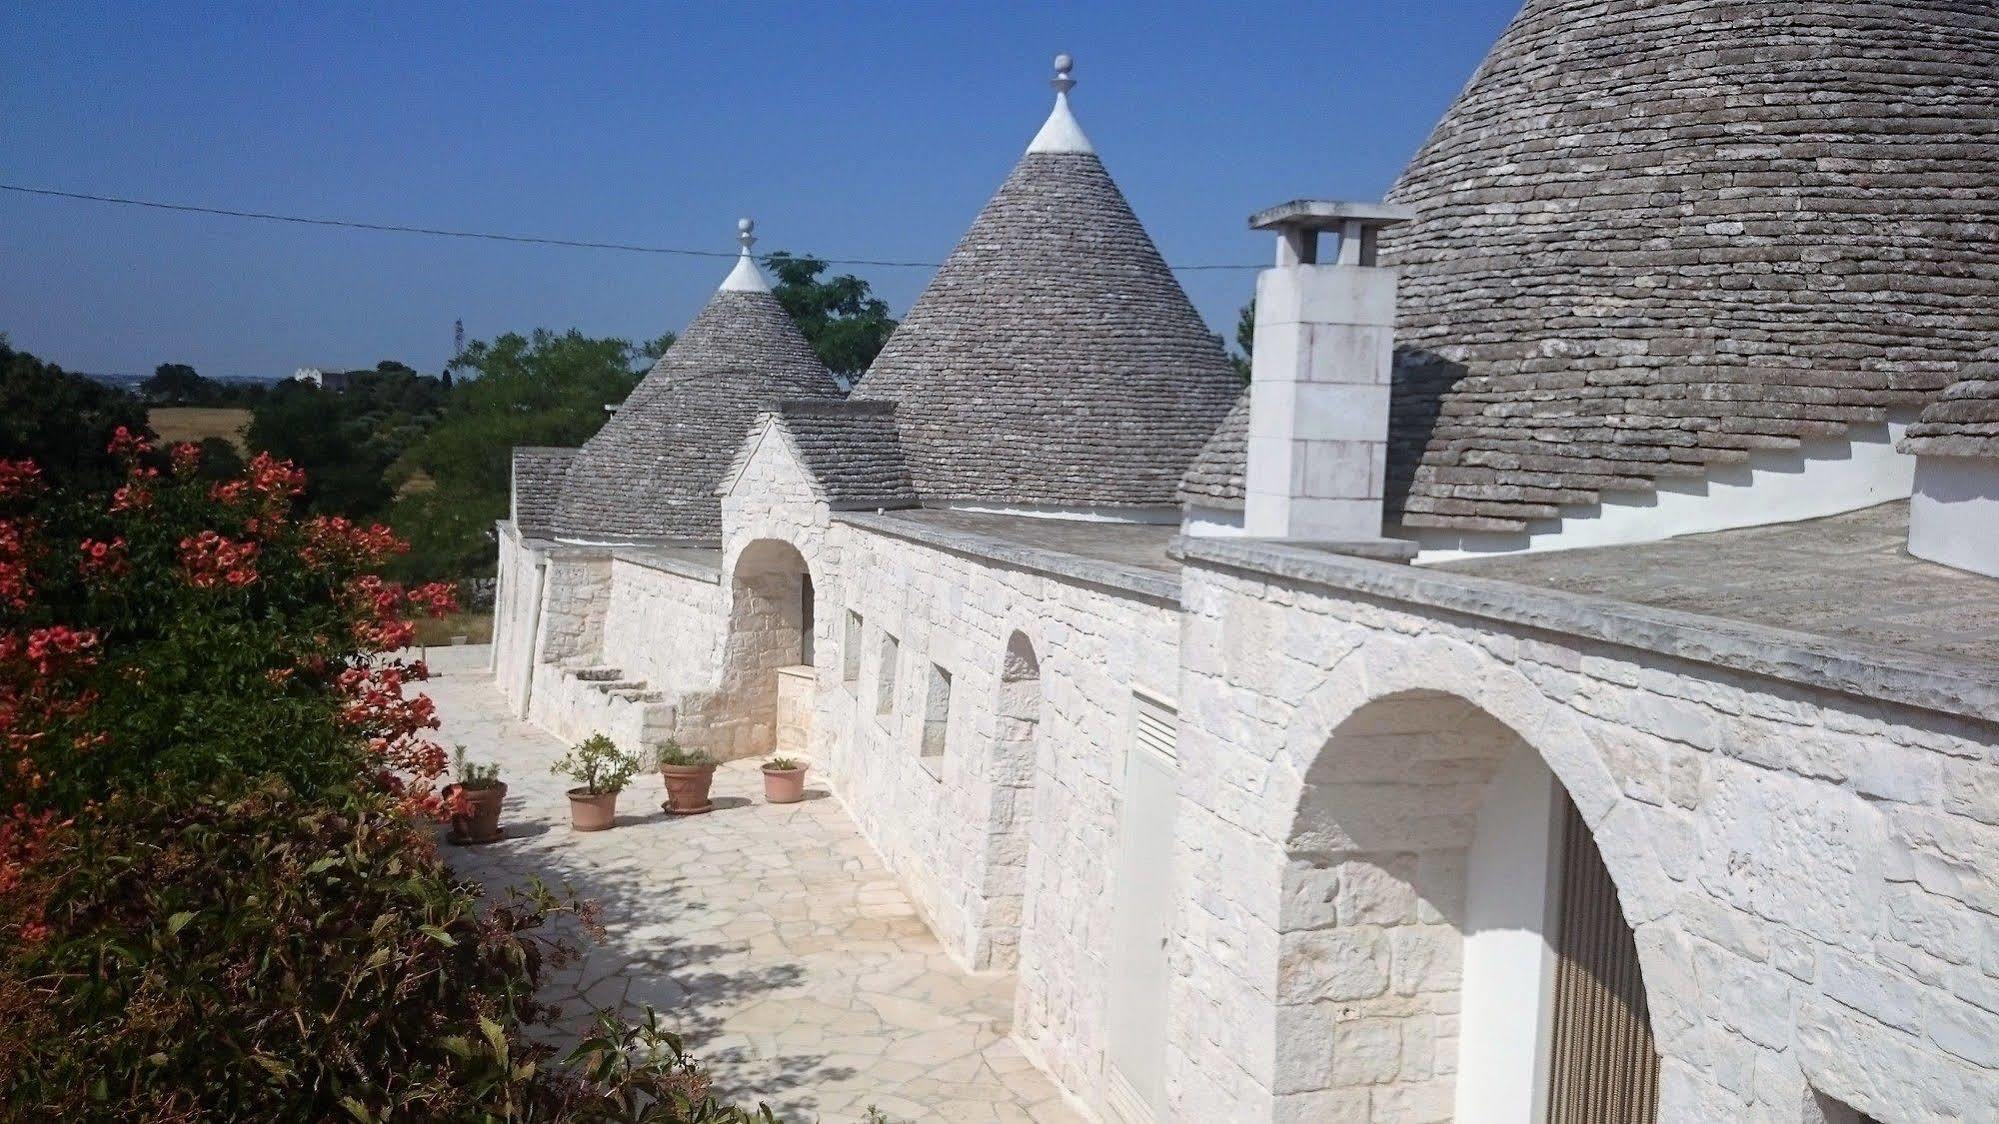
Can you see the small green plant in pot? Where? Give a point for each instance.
(601, 771)
(688, 774)
(479, 791)
(784, 780)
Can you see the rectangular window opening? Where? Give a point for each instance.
(937, 713)
(850, 650)
(885, 677)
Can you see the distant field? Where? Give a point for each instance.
(477, 628)
(193, 423)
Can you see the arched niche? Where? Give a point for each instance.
(1017, 724)
(770, 623)
(1450, 942)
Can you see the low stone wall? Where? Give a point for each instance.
(663, 625)
(796, 691)
(516, 612)
(1812, 877)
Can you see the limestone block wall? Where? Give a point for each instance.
(773, 533)
(663, 627)
(1812, 879)
(1010, 861)
(576, 589)
(516, 602)
(795, 689)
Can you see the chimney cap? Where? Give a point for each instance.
(1329, 215)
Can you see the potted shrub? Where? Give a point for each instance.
(688, 774)
(784, 780)
(602, 770)
(483, 791)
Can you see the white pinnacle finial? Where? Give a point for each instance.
(1061, 133)
(746, 277)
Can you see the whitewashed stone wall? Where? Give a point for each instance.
(576, 588)
(515, 601)
(1813, 880)
(772, 500)
(1010, 862)
(953, 827)
(663, 627)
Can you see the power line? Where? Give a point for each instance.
(489, 236)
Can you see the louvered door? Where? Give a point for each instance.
(1604, 1068)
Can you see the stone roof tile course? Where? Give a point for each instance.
(651, 473)
(852, 449)
(1964, 419)
(1053, 359)
(1654, 238)
(538, 472)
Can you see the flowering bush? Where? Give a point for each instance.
(248, 954)
(181, 629)
(218, 898)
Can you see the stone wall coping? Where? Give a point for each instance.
(1153, 586)
(1961, 688)
(680, 562)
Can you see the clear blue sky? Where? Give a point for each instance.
(867, 131)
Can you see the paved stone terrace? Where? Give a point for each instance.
(1846, 577)
(771, 937)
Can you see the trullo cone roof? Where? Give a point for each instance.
(652, 471)
(1053, 359)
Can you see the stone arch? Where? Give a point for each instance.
(1427, 856)
(1010, 771)
(770, 607)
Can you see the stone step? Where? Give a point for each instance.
(598, 674)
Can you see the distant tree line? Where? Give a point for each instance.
(430, 455)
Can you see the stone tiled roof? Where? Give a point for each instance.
(538, 472)
(853, 450)
(1215, 477)
(1963, 421)
(1053, 359)
(1653, 238)
(652, 471)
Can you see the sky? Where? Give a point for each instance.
(847, 131)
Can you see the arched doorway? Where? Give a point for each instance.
(1017, 718)
(766, 673)
(1450, 941)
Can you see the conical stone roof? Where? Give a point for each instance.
(1053, 359)
(1654, 237)
(652, 471)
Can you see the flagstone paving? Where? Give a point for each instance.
(770, 936)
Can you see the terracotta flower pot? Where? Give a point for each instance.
(687, 788)
(590, 811)
(785, 786)
(483, 825)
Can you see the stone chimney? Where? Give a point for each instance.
(1317, 451)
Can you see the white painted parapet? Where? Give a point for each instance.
(1319, 385)
(1954, 513)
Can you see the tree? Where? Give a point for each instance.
(845, 323)
(179, 383)
(61, 421)
(1245, 339)
(349, 443)
(538, 389)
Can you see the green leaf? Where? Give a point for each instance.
(178, 922)
(437, 934)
